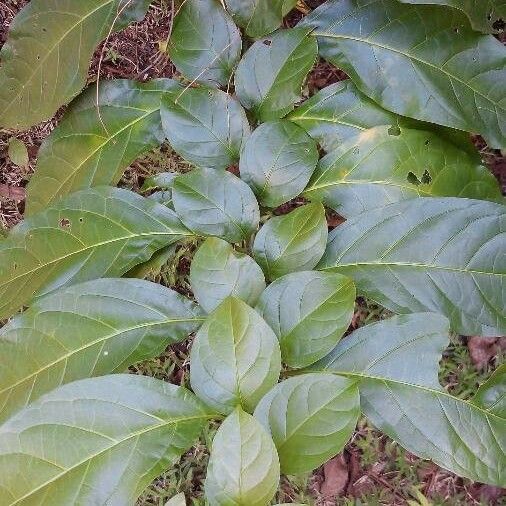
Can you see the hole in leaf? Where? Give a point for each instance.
(413, 179)
(394, 130)
(456, 29)
(81, 220)
(38, 57)
(267, 42)
(499, 25)
(426, 177)
(14, 266)
(489, 16)
(64, 223)
(427, 142)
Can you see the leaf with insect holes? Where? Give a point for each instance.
(259, 17)
(206, 127)
(451, 75)
(270, 75)
(211, 202)
(340, 111)
(310, 418)
(99, 232)
(486, 16)
(379, 166)
(277, 162)
(444, 255)
(243, 466)
(96, 441)
(235, 358)
(218, 271)
(18, 154)
(309, 312)
(397, 363)
(96, 141)
(293, 242)
(205, 45)
(48, 51)
(120, 322)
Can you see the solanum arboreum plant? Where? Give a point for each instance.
(274, 294)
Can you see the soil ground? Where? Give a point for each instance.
(373, 469)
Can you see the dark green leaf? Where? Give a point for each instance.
(491, 395)
(218, 271)
(486, 16)
(211, 202)
(444, 255)
(294, 242)
(93, 144)
(271, 73)
(376, 168)
(18, 154)
(310, 417)
(309, 312)
(205, 45)
(341, 111)
(258, 17)
(277, 162)
(99, 232)
(154, 265)
(397, 361)
(119, 322)
(438, 70)
(244, 467)
(46, 57)
(235, 358)
(164, 180)
(96, 441)
(206, 127)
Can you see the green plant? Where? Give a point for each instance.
(423, 238)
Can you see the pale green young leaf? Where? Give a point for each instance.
(18, 154)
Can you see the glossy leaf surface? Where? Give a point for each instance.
(258, 17)
(243, 467)
(99, 232)
(310, 417)
(397, 361)
(492, 394)
(94, 144)
(235, 358)
(47, 54)
(218, 271)
(484, 15)
(442, 255)
(309, 312)
(89, 329)
(293, 242)
(205, 45)
(124, 431)
(212, 202)
(451, 75)
(378, 167)
(206, 127)
(277, 162)
(271, 73)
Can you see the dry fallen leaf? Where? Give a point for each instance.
(12, 192)
(335, 477)
(483, 349)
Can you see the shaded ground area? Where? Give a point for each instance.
(373, 469)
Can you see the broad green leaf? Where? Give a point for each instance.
(154, 265)
(94, 144)
(491, 395)
(397, 362)
(47, 54)
(99, 232)
(443, 255)
(243, 467)
(177, 500)
(18, 154)
(340, 111)
(235, 358)
(89, 329)
(309, 312)
(205, 45)
(96, 441)
(310, 418)
(277, 162)
(438, 70)
(293, 242)
(378, 167)
(206, 127)
(258, 17)
(218, 271)
(211, 202)
(485, 16)
(270, 75)
(164, 180)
